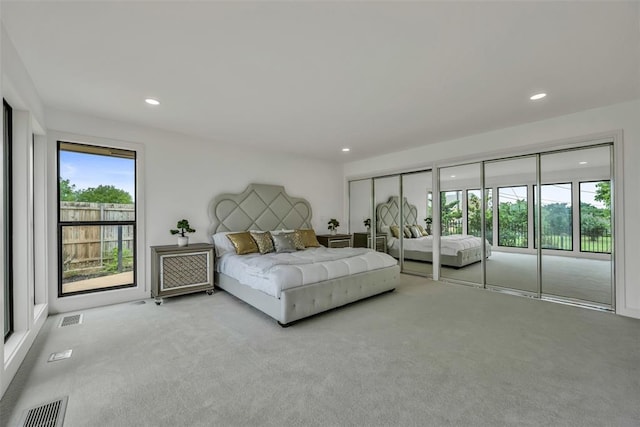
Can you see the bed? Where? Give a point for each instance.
(338, 279)
(456, 250)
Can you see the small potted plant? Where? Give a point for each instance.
(182, 228)
(428, 221)
(333, 225)
(367, 223)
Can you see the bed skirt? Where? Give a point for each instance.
(304, 301)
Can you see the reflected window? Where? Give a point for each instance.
(595, 217)
(451, 212)
(557, 216)
(513, 217)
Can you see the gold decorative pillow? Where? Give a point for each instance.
(309, 238)
(243, 242)
(407, 232)
(264, 242)
(395, 231)
(296, 239)
(422, 230)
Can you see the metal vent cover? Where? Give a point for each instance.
(46, 415)
(74, 319)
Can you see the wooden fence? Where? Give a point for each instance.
(90, 248)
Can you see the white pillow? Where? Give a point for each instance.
(277, 232)
(384, 229)
(222, 244)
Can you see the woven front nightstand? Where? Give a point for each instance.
(179, 270)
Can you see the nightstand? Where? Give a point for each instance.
(179, 270)
(363, 240)
(335, 240)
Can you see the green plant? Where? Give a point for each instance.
(111, 265)
(428, 220)
(367, 223)
(183, 227)
(333, 224)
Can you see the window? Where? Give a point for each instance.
(8, 220)
(513, 217)
(96, 218)
(451, 212)
(557, 216)
(595, 216)
(474, 209)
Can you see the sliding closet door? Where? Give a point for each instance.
(460, 223)
(417, 191)
(387, 212)
(576, 233)
(509, 186)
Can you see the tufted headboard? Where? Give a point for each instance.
(388, 213)
(259, 207)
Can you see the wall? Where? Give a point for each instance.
(620, 119)
(29, 284)
(181, 176)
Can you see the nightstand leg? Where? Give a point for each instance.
(158, 300)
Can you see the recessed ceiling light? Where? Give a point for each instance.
(537, 96)
(345, 149)
(583, 163)
(152, 101)
(453, 176)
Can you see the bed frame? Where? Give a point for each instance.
(268, 207)
(388, 214)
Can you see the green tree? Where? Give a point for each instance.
(67, 191)
(450, 213)
(104, 194)
(603, 193)
(513, 220)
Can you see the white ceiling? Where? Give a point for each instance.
(312, 77)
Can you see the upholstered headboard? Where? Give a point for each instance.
(259, 207)
(388, 213)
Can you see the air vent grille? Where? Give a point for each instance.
(74, 319)
(47, 415)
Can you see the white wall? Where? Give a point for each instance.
(547, 134)
(181, 176)
(29, 298)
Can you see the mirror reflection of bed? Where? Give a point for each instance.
(457, 251)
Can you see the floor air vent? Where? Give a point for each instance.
(75, 319)
(47, 415)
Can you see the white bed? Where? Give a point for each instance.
(289, 287)
(456, 250)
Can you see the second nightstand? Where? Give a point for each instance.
(363, 240)
(335, 240)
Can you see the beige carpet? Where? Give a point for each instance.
(427, 354)
(577, 278)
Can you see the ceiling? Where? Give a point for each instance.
(310, 78)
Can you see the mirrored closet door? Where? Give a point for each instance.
(388, 222)
(576, 233)
(510, 217)
(418, 215)
(461, 204)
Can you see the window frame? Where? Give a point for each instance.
(8, 217)
(497, 212)
(580, 217)
(95, 149)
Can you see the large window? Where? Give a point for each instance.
(557, 216)
(513, 217)
(8, 221)
(96, 218)
(474, 218)
(595, 216)
(451, 212)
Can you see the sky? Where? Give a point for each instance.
(91, 170)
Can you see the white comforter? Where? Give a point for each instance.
(449, 245)
(272, 273)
